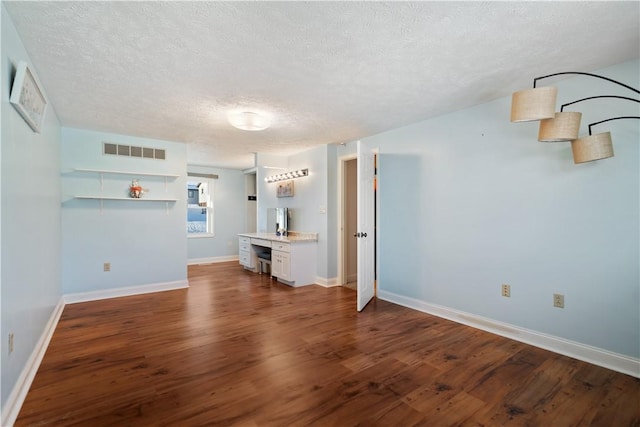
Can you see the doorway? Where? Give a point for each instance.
(348, 221)
(350, 259)
(251, 203)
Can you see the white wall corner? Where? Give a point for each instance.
(124, 292)
(597, 356)
(19, 392)
(327, 282)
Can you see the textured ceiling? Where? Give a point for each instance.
(327, 72)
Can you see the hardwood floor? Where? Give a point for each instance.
(239, 349)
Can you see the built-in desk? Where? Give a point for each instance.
(293, 257)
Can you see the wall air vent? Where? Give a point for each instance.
(131, 151)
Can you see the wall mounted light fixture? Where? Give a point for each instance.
(539, 104)
(287, 175)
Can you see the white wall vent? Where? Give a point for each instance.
(132, 151)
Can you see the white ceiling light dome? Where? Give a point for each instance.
(249, 120)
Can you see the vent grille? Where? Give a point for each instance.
(132, 151)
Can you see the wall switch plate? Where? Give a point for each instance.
(506, 291)
(558, 300)
(107, 266)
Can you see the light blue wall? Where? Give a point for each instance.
(229, 215)
(332, 214)
(469, 201)
(145, 242)
(30, 221)
(310, 203)
(267, 165)
(310, 198)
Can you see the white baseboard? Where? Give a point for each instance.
(597, 356)
(124, 292)
(327, 282)
(19, 392)
(212, 260)
(21, 388)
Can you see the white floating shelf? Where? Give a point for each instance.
(166, 175)
(131, 199)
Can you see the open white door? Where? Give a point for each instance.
(365, 233)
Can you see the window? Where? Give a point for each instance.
(200, 206)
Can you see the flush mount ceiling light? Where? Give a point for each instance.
(248, 120)
(539, 104)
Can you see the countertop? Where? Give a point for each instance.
(291, 237)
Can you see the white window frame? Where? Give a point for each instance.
(207, 200)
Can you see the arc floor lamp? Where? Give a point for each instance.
(540, 104)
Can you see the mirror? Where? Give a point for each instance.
(278, 221)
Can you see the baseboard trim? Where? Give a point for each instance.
(124, 292)
(21, 388)
(327, 282)
(19, 392)
(212, 260)
(597, 356)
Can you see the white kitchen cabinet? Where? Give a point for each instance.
(293, 260)
(245, 253)
(281, 265)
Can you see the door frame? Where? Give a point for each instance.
(342, 160)
(342, 166)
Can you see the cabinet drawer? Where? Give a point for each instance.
(260, 242)
(245, 258)
(246, 240)
(282, 247)
(245, 246)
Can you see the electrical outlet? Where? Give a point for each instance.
(11, 343)
(558, 300)
(506, 290)
(107, 266)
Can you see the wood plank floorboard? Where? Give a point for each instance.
(238, 349)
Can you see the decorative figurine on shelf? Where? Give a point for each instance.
(135, 190)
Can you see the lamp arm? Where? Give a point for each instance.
(586, 74)
(599, 96)
(613, 118)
